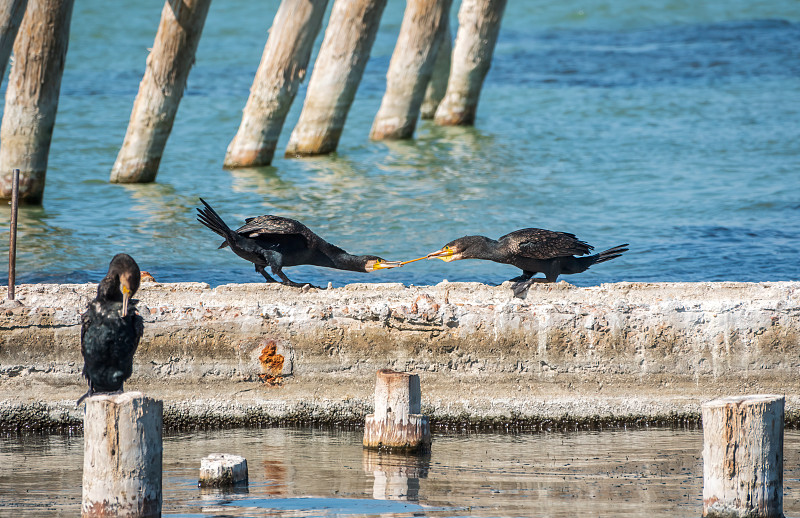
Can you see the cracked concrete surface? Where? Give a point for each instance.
(626, 352)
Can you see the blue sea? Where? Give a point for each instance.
(673, 126)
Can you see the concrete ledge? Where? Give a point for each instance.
(626, 352)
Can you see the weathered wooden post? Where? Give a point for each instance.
(282, 69)
(40, 51)
(12, 238)
(410, 69)
(397, 423)
(222, 470)
(11, 12)
(478, 27)
(122, 456)
(337, 72)
(743, 457)
(441, 71)
(160, 91)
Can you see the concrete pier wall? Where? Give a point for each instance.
(619, 352)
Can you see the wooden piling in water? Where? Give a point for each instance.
(337, 73)
(282, 69)
(478, 27)
(437, 86)
(411, 68)
(29, 115)
(221, 470)
(11, 12)
(122, 456)
(743, 457)
(160, 91)
(397, 422)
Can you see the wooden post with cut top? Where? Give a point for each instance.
(411, 68)
(337, 73)
(29, 114)
(478, 27)
(743, 457)
(160, 91)
(282, 69)
(397, 423)
(122, 438)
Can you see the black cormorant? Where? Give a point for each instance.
(279, 242)
(111, 328)
(533, 250)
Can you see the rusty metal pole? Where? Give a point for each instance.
(12, 240)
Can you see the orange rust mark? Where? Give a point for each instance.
(271, 364)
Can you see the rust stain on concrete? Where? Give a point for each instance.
(271, 363)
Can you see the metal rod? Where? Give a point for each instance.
(12, 241)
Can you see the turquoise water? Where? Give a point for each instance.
(323, 473)
(673, 128)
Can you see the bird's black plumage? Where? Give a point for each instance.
(533, 250)
(111, 328)
(278, 242)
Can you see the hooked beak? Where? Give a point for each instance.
(386, 265)
(126, 295)
(445, 254)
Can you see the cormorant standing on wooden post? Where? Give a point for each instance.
(533, 250)
(111, 328)
(278, 242)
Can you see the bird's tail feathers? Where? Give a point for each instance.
(209, 217)
(611, 253)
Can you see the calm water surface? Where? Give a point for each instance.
(673, 127)
(639, 472)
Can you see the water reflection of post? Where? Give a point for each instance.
(396, 474)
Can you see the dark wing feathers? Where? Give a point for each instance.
(538, 243)
(268, 224)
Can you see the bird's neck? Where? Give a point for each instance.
(345, 261)
(334, 257)
(489, 249)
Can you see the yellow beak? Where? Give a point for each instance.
(445, 254)
(386, 265)
(126, 295)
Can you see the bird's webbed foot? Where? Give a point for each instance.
(288, 282)
(522, 277)
(521, 288)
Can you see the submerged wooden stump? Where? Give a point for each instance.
(743, 457)
(220, 470)
(397, 423)
(337, 73)
(29, 114)
(410, 69)
(478, 27)
(122, 456)
(282, 69)
(160, 91)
